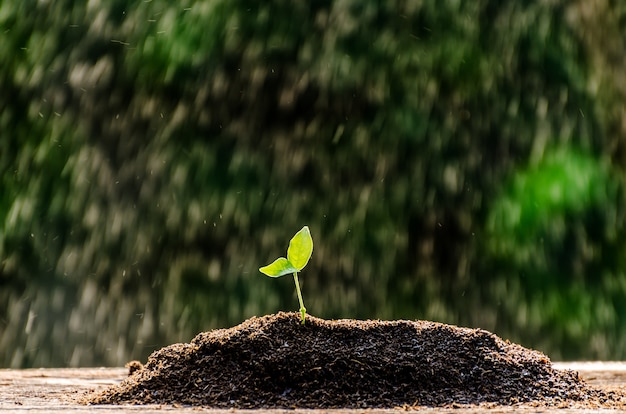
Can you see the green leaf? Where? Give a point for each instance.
(280, 267)
(300, 248)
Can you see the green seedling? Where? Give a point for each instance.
(298, 255)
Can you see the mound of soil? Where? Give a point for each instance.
(275, 362)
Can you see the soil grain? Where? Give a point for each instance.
(275, 362)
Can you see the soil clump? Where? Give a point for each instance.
(275, 362)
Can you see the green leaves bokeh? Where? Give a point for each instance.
(457, 161)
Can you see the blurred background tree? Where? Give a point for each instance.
(455, 161)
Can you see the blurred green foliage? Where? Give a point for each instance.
(455, 161)
(563, 183)
(553, 230)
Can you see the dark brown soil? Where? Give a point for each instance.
(275, 362)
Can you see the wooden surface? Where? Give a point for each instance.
(36, 391)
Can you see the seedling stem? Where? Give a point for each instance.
(302, 308)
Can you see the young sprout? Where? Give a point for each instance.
(298, 255)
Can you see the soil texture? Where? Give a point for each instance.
(276, 362)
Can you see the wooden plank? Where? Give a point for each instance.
(55, 390)
(602, 373)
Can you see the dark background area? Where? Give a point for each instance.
(458, 161)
